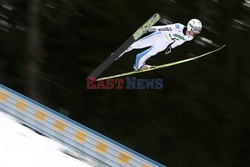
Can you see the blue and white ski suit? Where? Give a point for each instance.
(163, 37)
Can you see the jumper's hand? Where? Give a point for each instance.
(168, 50)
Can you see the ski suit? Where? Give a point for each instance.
(163, 37)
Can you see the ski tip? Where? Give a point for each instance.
(220, 47)
(157, 14)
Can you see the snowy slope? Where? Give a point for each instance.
(22, 147)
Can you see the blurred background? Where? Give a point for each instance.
(200, 118)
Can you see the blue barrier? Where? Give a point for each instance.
(76, 136)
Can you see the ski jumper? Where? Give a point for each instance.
(162, 38)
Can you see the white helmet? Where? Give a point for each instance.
(194, 25)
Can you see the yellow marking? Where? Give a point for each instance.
(101, 147)
(144, 28)
(80, 136)
(20, 105)
(40, 116)
(3, 96)
(124, 158)
(60, 126)
(146, 165)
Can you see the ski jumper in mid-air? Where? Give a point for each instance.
(163, 38)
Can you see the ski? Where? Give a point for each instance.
(142, 30)
(160, 66)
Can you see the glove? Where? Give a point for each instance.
(168, 50)
(152, 29)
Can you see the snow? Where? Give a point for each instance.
(22, 147)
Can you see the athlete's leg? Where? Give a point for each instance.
(147, 41)
(142, 57)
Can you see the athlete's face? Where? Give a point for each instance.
(192, 33)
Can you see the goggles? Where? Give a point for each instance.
(196, 30)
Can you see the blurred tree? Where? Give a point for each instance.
(34, 49)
